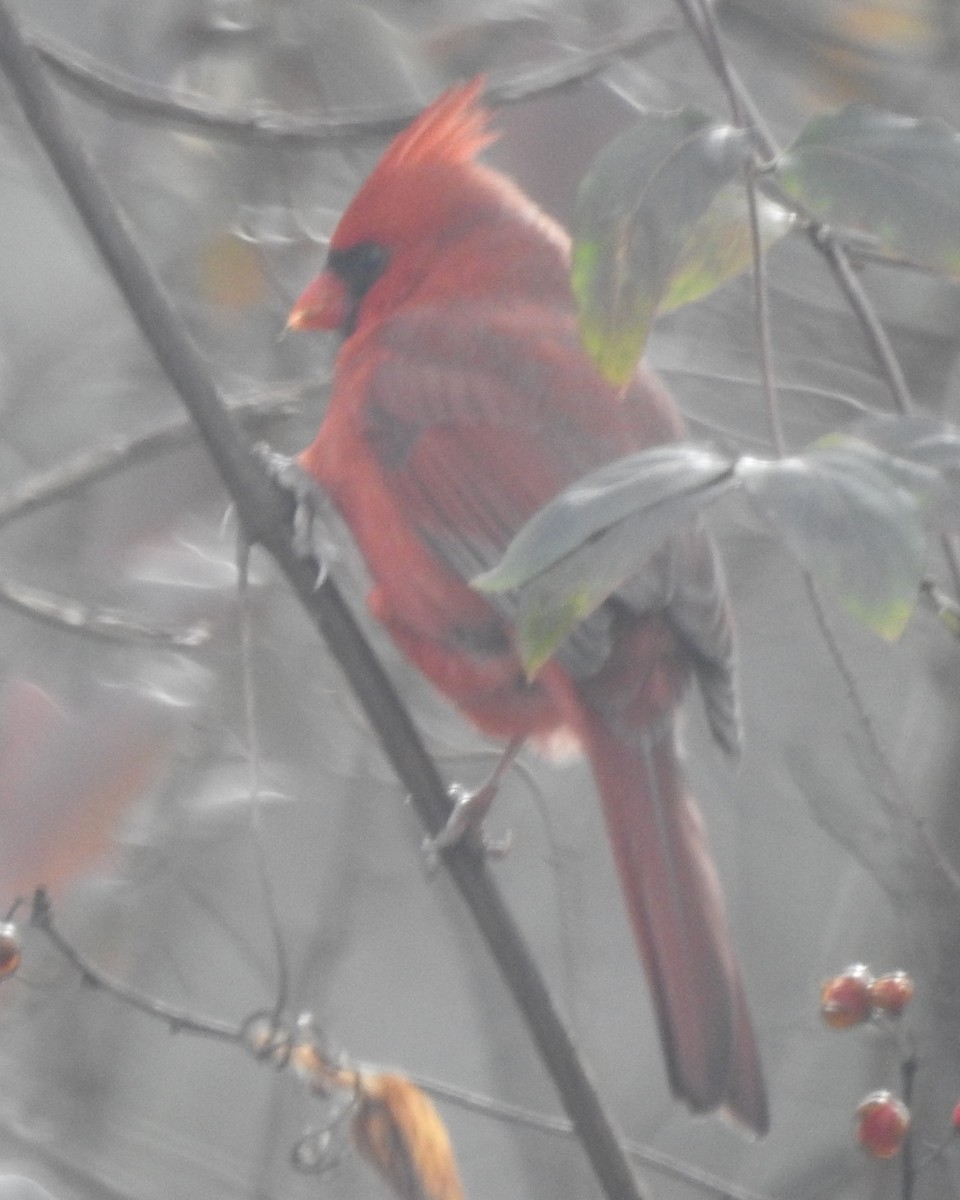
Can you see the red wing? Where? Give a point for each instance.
(479, 415)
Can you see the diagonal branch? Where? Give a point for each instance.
(178, 1019)
(263, 512)
(122, 451)
(94, 463)
(95, 621)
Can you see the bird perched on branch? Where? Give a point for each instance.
(462, 402)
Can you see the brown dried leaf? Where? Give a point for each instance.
(398, 1130)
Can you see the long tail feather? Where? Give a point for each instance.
(672, 890)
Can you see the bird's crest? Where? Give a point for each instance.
(453, 129)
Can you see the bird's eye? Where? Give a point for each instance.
(359, 266)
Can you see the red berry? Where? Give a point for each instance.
(9, 949)
(891, 993)
(883, 1122)
(955, 1119)
(845, 999)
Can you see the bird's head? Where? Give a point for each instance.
(424, 191)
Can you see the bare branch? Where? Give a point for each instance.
(255, 785)
(96, 463)
(93, 621)
(178, 1019)
(119, 453)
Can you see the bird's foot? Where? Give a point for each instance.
(307, 500)
(465, 823)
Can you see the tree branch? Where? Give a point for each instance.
(178, 1019)
(122, 451)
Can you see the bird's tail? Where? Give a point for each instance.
(675, 905)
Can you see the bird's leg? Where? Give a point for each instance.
(469, 810)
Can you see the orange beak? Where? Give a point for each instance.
(324, 304)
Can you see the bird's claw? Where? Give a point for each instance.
(466, 822)
(306, 498)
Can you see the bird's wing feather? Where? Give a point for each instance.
(480, 413)
(462, 388)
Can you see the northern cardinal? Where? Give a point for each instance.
(462, 401)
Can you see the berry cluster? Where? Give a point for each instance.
(851, 998)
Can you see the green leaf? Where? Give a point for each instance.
(925, 442)
(582, 546)
(652, 485)
(719, 245)
(851, 515)
(893, 178)
(637, 209)
(554, 602)
(547, 615)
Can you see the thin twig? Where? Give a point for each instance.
(709, 37)
(118, 453)
(263, 514)
(93, 621)
(254, 761)
(555, 1126)
(882, 350)
(62, 481)
(699, 16)
(178, 1019)
(908, 1075)
(761, 307)
(890, 792)
(829, 245)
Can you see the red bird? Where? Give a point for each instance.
(462, 402)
